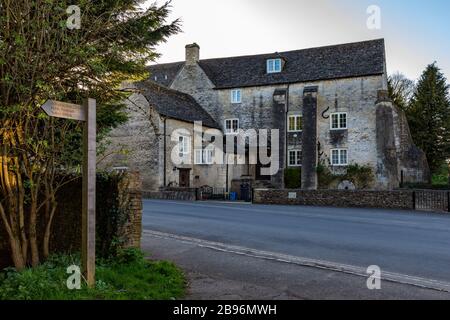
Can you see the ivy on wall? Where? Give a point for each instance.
(361, 176)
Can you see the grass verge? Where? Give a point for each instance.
(129, 276)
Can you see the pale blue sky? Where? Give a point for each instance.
(417, 32)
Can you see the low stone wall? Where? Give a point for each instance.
(336, 198)
(179, 194)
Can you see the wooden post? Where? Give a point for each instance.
(89, 177)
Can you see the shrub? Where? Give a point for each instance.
(361, 176)
(292, 178)
(324, 176)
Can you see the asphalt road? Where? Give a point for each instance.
(401, 242)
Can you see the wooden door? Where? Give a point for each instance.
(184, 178)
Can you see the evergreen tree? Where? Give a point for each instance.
(50, 49)
(429, 116)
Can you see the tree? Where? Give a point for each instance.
(41, 58)
(401, 90)
(429, 116)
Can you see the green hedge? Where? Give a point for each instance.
(293, 178)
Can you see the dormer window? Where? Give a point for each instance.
(274, 65)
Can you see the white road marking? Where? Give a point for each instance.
(321, 264)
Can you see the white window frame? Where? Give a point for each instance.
(338, 114)
(296, 156)
(231, 131)
(236, 96)
(271, 65)
(184, 146)
(339, 153)
(296, 119)
(204, 156)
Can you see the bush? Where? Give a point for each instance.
(292, 178)
(361, 176)
(324, 176)
(129, 276)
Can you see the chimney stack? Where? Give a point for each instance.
(192, 54)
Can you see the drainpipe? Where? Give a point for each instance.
(286, 155)
(226, 182)
(165, 147)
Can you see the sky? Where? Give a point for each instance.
(417, 32)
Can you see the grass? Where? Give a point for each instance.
(127, 277)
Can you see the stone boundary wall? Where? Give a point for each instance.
(179, 194)
(122, 193)
(336, 198)
(130, 197)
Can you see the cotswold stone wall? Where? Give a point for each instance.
(336, 198)
(118, 217)
(181, 194)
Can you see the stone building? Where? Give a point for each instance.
(158, 140)
(329, 104)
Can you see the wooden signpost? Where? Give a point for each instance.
(87, 114)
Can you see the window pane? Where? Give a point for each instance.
(291, 123)
(343, 120)
(292, 158)
(277, 65)
(334, 121)
(299, 158)
(235, 125)
(269, 65)
(343, 157)
(335, 157)
(299, 126)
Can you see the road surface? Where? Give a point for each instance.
(411, 248)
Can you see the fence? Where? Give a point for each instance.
(431, 200)
(209, 193)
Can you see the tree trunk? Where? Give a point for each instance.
(46, 243)
(33, 233)
(16, 254)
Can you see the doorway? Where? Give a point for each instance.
(185, 178)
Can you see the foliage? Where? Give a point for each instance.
(130, 277)
(111, 215)
(40, 59)
(401, 90)
(441, 177)
(324, 176)
(361, 176)
(292, 178)
(429, 116)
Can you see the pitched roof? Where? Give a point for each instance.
(323, 63)
(174, 104)
(165, 73)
